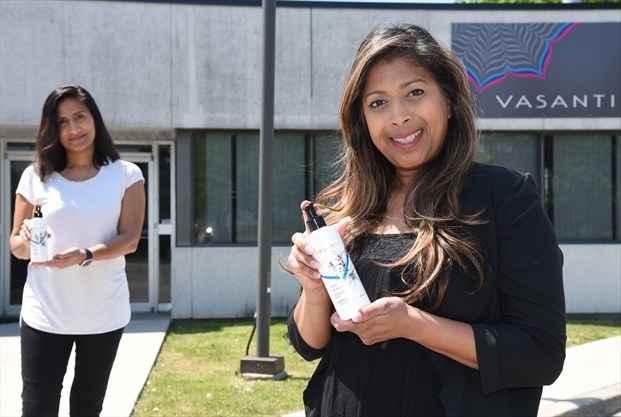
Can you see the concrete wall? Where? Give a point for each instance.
(592, 278)
(197, 66)
(120, 52)
(177, 66)
(223, 282)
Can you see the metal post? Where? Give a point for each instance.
(265, 180)
(262, 365)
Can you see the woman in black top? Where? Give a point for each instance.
(458, 258)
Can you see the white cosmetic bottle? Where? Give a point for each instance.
(337, 270)
(38, 237)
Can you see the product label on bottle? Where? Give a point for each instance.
(339, 267)
(337, 270)
(39, 239)
(38, 242)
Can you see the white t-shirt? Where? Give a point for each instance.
(79, 300)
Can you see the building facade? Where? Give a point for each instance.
(179, 86)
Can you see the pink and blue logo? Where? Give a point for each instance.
(492, 52)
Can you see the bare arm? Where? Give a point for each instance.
(19, 241)
(312, 317)
(313, 310)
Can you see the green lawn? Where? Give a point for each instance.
(583, 328)
(197, 371)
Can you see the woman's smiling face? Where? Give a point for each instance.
(76, 126)
(406, 114)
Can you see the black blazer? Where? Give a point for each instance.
(518, 316)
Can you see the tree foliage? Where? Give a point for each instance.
(536, 1)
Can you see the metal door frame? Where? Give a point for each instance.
(6, 221)
(151, 190)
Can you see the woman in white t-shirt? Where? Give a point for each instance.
(93, 203)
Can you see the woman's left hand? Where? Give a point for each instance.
(71, 256)
(391, 318)
(384, 319)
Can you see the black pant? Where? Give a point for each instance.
(44, 362)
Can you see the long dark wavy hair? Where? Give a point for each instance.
(431, 206)
(49, 154)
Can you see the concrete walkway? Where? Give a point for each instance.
(590, 384)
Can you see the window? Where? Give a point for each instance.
(326, 166)
(582, 187)
(226, 183)
(580, 182)
(578, 174)
(213, 189)
(516, 151)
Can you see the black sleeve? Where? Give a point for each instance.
(304, 350)
(527, 347)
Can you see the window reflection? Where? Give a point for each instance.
(226, 173)
(579, 179)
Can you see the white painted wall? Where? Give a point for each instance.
(592, 276)
(174, 66)
(222, 282)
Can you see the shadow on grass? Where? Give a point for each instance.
(599, 319)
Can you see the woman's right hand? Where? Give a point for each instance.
(302, 263)
(301, 260)
(19, 240)
(25, 232)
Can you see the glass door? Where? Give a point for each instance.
(137, 263)
(148, 269)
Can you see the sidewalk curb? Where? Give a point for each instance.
(598, 403)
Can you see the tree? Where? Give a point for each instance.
(537, 1)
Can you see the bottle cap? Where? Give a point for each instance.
(37, 212)
(314, 221)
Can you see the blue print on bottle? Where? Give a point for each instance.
(341, 267)
(39, 239)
